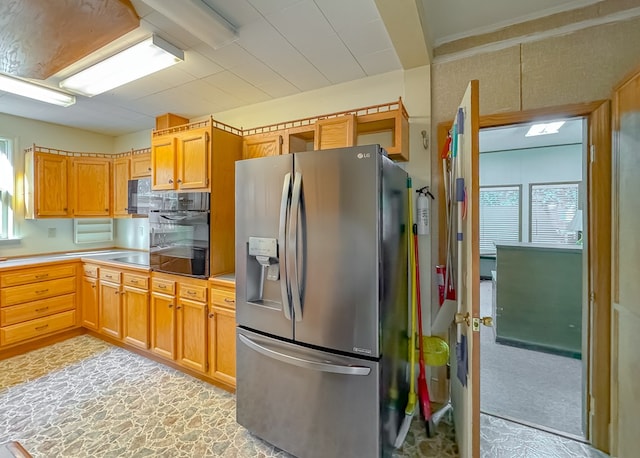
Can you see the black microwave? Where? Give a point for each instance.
(140, 198)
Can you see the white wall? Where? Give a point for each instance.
(135, 140)
(34, 233)
(553, 164)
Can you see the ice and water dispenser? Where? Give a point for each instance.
(263, 272)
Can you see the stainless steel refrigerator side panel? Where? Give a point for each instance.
(308, 412)
(338, 249)
(259, 197)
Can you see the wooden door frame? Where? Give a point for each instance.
(598, 117)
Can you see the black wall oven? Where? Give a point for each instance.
(179, 234)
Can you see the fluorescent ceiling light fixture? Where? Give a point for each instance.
(199, 19)
(145, 58)
(544, 129)
(35, 91)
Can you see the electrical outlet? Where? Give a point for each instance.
(51, 232)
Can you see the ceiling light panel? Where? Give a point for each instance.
(35, 91)
(544, 128)
(140, 60)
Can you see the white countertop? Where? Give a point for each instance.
(96, 255)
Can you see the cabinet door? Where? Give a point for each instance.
(335, 132)
(90, 303)
(121, 168)
(140, 166)
(193, 159)
(110, 317)
(261, 146)
(222, 344)
(51, 185)
(91, 187)
(163, 325)
(135, 307)
(192, 334)
(163, 163)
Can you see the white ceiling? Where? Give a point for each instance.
(284, 47)
(514, 137)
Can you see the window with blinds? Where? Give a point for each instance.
(553, 207)
(499, 216)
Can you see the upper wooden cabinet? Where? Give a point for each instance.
(335, 132)
(386, 124)
(121, 174)
(163, 163)
(92, 186)
(261, 145)
(46, 185)
(193, 159)
(140, 165)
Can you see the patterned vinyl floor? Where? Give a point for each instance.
(86, 398)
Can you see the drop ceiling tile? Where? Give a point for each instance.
(301, 22)
(134, 90)
(343, 14)
(266, 7)
(380, 62)
(332, 58)
(198, 65)
(237, 12)
(233, 84)
(366, 38)
(256, 73)
(277, 89)
(227, 57)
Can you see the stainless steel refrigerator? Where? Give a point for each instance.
(321, 301)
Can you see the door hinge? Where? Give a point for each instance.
(206, 366)
(206, 182)
(592, 297)
(592, 153)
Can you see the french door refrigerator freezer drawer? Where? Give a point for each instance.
(307, 402)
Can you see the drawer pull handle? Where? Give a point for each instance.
(191, 292)
(229, 301)
(170, 305)
(40, 328)
(178, 308)
(42, 309)
(135, 282)
(108, 276)
(42, 276)
(42, 291)
(161, 286)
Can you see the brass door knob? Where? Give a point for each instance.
(487, 321)
(463, 318)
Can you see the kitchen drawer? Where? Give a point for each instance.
(25, 276)
(223, 298)
(90, 270)
(37, 327)
(41, 290)
(31, 310)
(163, 286)
(110, 275)
(193, 292)
(137, 281)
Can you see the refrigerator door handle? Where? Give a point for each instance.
(292, 261)
(320, 366)
(282, 241)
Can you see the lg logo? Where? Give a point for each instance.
(363, 155)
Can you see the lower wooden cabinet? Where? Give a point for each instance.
(192, 334)
(90, 301)
(222, 331)
(135, 314)
(37, 301)
(110, 319)
(163, 325)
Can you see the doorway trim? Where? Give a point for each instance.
(598, 117)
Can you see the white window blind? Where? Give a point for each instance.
(499, 216)
(553, 207)
(6, 189)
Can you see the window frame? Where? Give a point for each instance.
(7, 217)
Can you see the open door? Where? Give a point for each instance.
(625, 368)
(465, 364)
